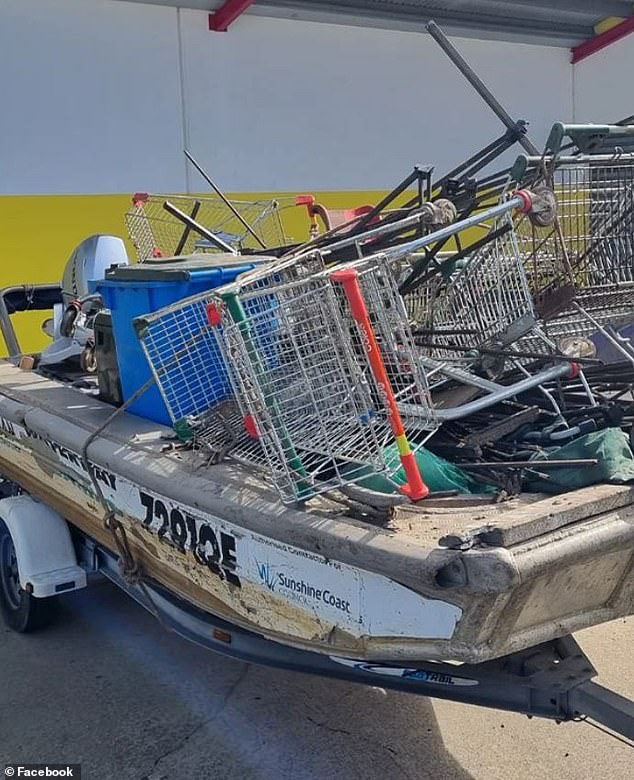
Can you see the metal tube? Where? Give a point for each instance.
(183, 239)
(581, 158)
(612, 710)
(416, 174)
(534, 166)
(382, 230)
(527, 464)
(458, 60)
(314, 244)
(473, 161)
(584, 137)
(223, 198)
(415, 488)
(617, 343)
(446, 232)
(6, 326)
(466, 377)
(201, 229)
(402, 250)
(458, 412)
(548, 357)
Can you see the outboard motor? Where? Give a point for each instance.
(72, 325)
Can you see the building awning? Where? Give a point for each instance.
(550, 22)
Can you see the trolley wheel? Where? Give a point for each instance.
(88, 359)
(68, 319)
(19, 610)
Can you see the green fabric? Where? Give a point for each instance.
(610, 447)
(183, 429)
(438, 474)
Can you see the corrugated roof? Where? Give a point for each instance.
(553, 22)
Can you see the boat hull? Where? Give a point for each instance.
(291, 594)
(316, 579)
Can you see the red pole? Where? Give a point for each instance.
(593, 45)
(349, 279)
(220, 20)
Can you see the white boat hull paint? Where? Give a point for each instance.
(278, 587)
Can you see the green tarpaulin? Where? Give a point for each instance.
(610, 447)
(438, 474)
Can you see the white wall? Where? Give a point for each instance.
(285, 105)
(94, 100)
(90, 97)
(603, 84)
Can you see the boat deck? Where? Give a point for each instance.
(457, 522)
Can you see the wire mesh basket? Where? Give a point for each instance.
(302, 375)
(388, 319)
(186, 359)
(156, 232)
(588, 254)
(484, 301)
(303, 395)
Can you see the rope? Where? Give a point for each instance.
(131, 570)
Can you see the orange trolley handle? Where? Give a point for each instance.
(415, 488)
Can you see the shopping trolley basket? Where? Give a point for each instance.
(156, 227)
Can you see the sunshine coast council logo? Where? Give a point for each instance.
(266, 575)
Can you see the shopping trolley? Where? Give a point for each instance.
(581, 272)
(161, 225)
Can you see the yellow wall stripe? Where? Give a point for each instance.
(39, 232)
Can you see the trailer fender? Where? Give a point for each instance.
(47, 563)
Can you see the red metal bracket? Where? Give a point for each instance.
(220, 20)
(599, 42)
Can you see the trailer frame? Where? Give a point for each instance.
(553, 680)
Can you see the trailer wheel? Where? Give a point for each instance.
(20, 611)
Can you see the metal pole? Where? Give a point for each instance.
(201, 229)
(415, 175)
(503, 394)
(476, 82)
(525, 464)
(402, 250)
(224, 199)
(183, 239)
(418, 217)
(8, 307)
(414, 488)
(604, 706)
(6, 326)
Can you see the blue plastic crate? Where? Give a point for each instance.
(131, 291)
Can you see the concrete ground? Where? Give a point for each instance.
(108, 687)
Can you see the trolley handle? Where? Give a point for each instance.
(524, 201)
(587, 137)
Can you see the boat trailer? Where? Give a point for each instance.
(553, 680)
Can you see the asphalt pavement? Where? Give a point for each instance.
(106, 686)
